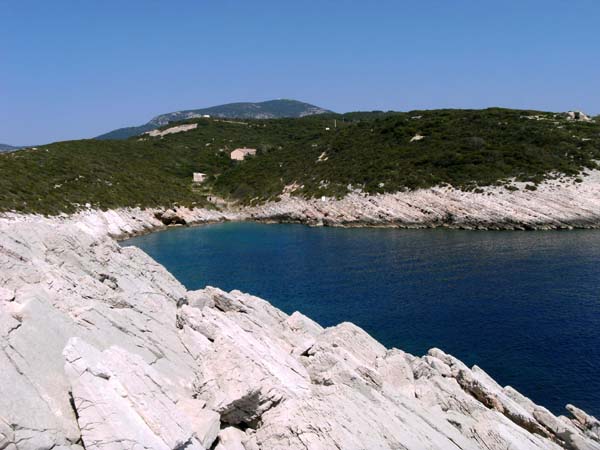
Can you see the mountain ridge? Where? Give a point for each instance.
(270, 109)
(7, 148)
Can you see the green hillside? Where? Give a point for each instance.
(371, 151)
(126, 132)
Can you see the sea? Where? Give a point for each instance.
(522, 305)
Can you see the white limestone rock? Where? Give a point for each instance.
(589, 424)
(150, 363)
(231, 438)
(7, 436)
(199, 299)
(554, 204)
(396, 374)
(240, 376)
(122, 402)
(6, 295)
(205, 423)
(304, 330)
(172, 130)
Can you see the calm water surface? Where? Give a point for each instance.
(524, 306)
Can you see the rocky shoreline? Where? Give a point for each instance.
(554, 204)
(103, 349)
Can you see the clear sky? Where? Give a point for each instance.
(71, 69)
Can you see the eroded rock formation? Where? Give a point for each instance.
(101, 348)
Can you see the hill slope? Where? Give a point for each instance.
(373, 152)
(272, 109)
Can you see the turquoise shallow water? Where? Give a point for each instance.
(524, 306)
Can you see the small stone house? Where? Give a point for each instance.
(578, 116)
(199, 177)
(239, 154)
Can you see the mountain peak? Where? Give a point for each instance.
(270, 109)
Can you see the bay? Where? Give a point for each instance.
(524, 306)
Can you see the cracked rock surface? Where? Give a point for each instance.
(101, 348)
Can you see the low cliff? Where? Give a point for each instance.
(553, 204)
(102, 348)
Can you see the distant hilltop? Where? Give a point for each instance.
(7, 148)
(272, 109)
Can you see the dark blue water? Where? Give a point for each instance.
(524, 306)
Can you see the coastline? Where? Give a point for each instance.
(553, 205)
(90, 329)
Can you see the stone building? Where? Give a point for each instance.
(578, 116)
(199, 177)
(239, 154)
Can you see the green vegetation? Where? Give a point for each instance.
(371, 151)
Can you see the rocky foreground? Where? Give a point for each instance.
(101, 348)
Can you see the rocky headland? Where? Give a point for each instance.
(103, 349)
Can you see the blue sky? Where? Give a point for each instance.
(74, 69)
